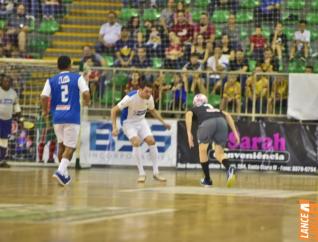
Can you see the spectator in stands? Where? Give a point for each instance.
(205, 28)
(269, 10)
(279, 42)
(301, 42)
(89, 53)
(227, 49)
(51, 8)
(109, 34)
(18, 28)
(257, 44)
(199, 48)
(193, 78)
(260, 85)
(270, 63)
(182, 7)
(232, 5)
(141, 60)
(217, 64)
(183, 29)
(6, 8)
(279, 93)
(179, 93)
(155, 46)
(140, 40)
(134, 82)
(133, 26)
(174, 53)
(33, 7)
(124, 49)
(233, 31)
(231, 93)
(309, 69)
(239, 62)
(160, 88)
(166, 17)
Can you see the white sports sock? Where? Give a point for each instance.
(63, 166)
(153, 151)
(137, 156)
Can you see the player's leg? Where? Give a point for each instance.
(5, 130)
(204, 161)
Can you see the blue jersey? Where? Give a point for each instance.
(65, 91)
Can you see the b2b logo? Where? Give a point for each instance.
(101, 138)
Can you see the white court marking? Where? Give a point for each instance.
(217, 191)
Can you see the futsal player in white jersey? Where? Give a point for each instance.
(134, 107)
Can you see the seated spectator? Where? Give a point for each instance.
(134, 82)
(140, 40)
(231, 94)
(141, 60)
(309, 69)
(182, 7)
(269, 10)
(17, 29)
(133, 26)
(109, 34)
(174, 53)
(260, 85)
(159, 89)
(155, 46)
(217, 64)
(124, 49)
(183, 29)
(239, 62)
(279, 42)
(231, 5)
(6, 8)
(227, 49)
(233, 31)
(258, 44)
(270, 63)
(301, 43)
(51, 8)
(205, 28)
(179, 93)
(195, 77)
(279, 93)
(200, 49)
(166, 17)
(88, 53)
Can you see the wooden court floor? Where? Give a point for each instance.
(106, 204)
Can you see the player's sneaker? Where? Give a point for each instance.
(157, 177)
(230, 176)
(206, 183)
(141, 179)
(63, 180)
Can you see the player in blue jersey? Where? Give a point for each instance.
(64, 91)
(133, 108)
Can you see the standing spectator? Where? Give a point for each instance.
(231, 94)
(133, 26)
(174, 53)
(200, 49)
(233, 31)
(279, 93)
(133, 83)
(279, 42)
(239, 62)
(141, 60)
(166, 17)
(269, 11)
(179, 93)
(232, 5)
(124, 49)
(159, 89)
(258, 44)
(109, 34)
(9, 105)
(205, 28)
(270, 63)
(18, 29)
(195, 77)
(183, 29)
(301, 42)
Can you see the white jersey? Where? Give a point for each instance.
(134, 108)
(8, 103)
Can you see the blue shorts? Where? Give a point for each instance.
(5, 128)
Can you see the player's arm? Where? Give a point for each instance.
(231, 123)
(45, 95)
(154, 113)
(115, 110)
(188, 118)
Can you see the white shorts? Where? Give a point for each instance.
(67, 134)
(140, 129)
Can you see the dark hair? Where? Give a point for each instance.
(4, 76)
(310, 67)
(113, 13)
(124, 28)
(302, 21)
(258, 26)
(64, 62)
(146, 83)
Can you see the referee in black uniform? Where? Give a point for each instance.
(212, 127)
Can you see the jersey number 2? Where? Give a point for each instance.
(64, 93)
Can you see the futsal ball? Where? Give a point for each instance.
(199, 100)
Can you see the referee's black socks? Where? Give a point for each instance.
(205, 168)
(226, 163)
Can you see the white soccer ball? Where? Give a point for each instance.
(199, 100)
